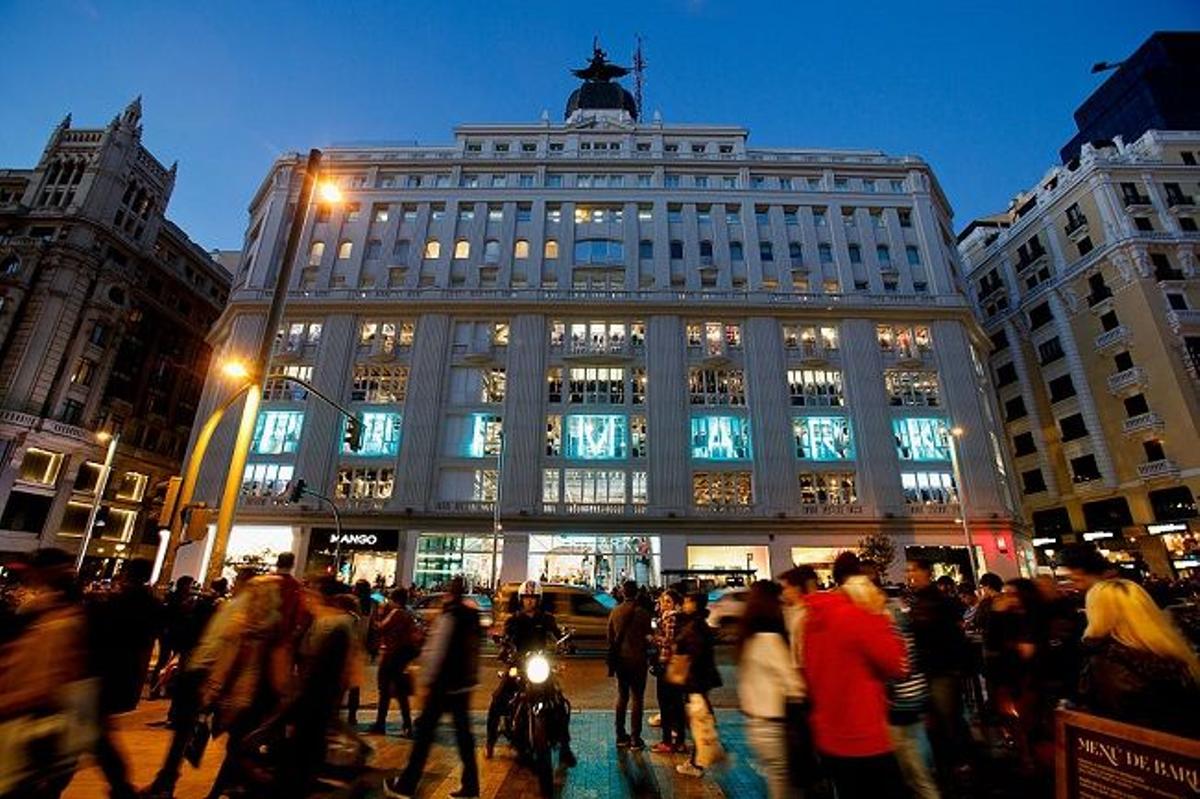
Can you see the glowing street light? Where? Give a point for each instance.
(235, 369)
(329, 192)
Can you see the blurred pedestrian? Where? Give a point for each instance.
(449, 673)
(44, 690)
(400, 639)
(1138, 667)
(670, 697)
(936, 622)
(628, 640)
(170, 629)
(356, 656)
(693, 666)
(850, 653)
(122, 626)
(803, 769)
(767, 679)
(1086, 566)
(908, 704)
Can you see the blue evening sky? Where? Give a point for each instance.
(984, 91)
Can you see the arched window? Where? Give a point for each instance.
(433, 249)
(521, 249)
(462, 249)
(315, 253)
(551, 250)
(491, 251)
(345, 250)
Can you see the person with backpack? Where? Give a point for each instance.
(400, 637)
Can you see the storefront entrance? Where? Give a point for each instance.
(595, 561)
(441, 556)
(947, 561)
(820, 559)
(716, 557)
(255, 546)
(355, 555)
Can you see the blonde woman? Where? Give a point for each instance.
(1139, 668)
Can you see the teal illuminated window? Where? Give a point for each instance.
(485, 435)
(823, 438)
(595, 437)
(277, 432)
(920, 438)
(380, 434)
(720, 438)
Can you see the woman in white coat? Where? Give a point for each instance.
(766, 678)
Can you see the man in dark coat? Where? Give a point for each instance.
(122, 627)
(449, 673)
(628, 634)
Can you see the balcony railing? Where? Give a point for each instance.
(1112, 337)
(1133, 199)
(592, 509)
(1098, 296)
(1159, 469)
(1127, 378)
(1076, 225)
(1142, 423)
(1027, 258)
(723, 510)
(466, 506)
(840, 509)
(1177, 320)
(933, 509)
(617, 348)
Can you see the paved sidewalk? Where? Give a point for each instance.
(603, 771)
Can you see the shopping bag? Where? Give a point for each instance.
(709, 751)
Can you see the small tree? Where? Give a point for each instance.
(879, 549)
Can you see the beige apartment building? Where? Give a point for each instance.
(104, 308)
(1088, 289)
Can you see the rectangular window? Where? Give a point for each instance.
(713, 337)
(639, 386)
(816, 388)
(928, 488)
(823, 438)
(716, 387)
(1061, 388)
(266, 479)
(906, 342)
(1040, 315)
(720, 438)
(1084, 469)
(382, 384)
(1073, 427)
(1006, 374)
(279, 389)
(554, 384)
(596, 437)
(810, 340)
(597, 385)
(590, 487)
(1032, 481)
(921, 439)
(1050, 351)
(277, 432)
(40, 466)
(638, 438)
(912, 388)
(485, 435)
(1023, 444)
(364, 482)
(914, 255)
(380, 434)
(722, 489)
(1014, 409)
(827, 488)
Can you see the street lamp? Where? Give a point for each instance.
(112, 439)
(956, 433)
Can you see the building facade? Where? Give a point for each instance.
(653, 347)
(104, 308)
(1088, 289)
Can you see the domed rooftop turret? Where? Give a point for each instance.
(599, 92)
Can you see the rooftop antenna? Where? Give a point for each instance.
(639, 75)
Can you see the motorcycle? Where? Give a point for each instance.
(536, 715)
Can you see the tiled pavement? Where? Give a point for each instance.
(603, 772)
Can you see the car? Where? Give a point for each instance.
(429, 606)
(573, 606)
(725, 609)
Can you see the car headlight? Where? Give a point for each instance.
(537, 669)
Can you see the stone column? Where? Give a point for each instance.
(524, 420)
(877, 481)
(667, 419)
(776, 488)
(322, 432)
(422, 412)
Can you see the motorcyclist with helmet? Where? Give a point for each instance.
(530, 629)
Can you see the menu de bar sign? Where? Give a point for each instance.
(1098, 758)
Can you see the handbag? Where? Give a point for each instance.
(678, 668)
(198, 740)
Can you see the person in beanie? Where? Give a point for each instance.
(449, 672)
(850, 653)
(628, 631)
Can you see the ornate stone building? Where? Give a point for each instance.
(104, 308)
(655, 347)
(1088, 289)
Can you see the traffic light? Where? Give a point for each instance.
(297, 491)
(195, 522)
(353, 437)
(167, 514)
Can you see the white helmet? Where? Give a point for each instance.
(531, 588)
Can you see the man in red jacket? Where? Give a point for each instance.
(850, 653)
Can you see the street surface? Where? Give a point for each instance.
(603, 771)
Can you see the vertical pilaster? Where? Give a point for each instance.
(524, 422)
(422, 418)
(667, 415)
(774, 458)
(878, 468)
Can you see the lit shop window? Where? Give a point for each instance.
(912, 388)
(928, 488)
(295, 336)
(380, 434)
(717, 387)
(823, 438)
(277, 432)
(638, 438)
(827, 488)
(279, 389)
(597, 385)
(906, 342)
(816, 388)
(40, 466)
(714, 337)
(384, 337)
(132, 487)
(597, 216)
(720, 438)
(722, 489)
(921, 439)
(810, 339)
(364, 483)
(485, 435)
(383, 384)
(592, 486)
(266, 479)
(596, 437)
(639, 386)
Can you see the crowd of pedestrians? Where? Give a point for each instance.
(853, 689)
